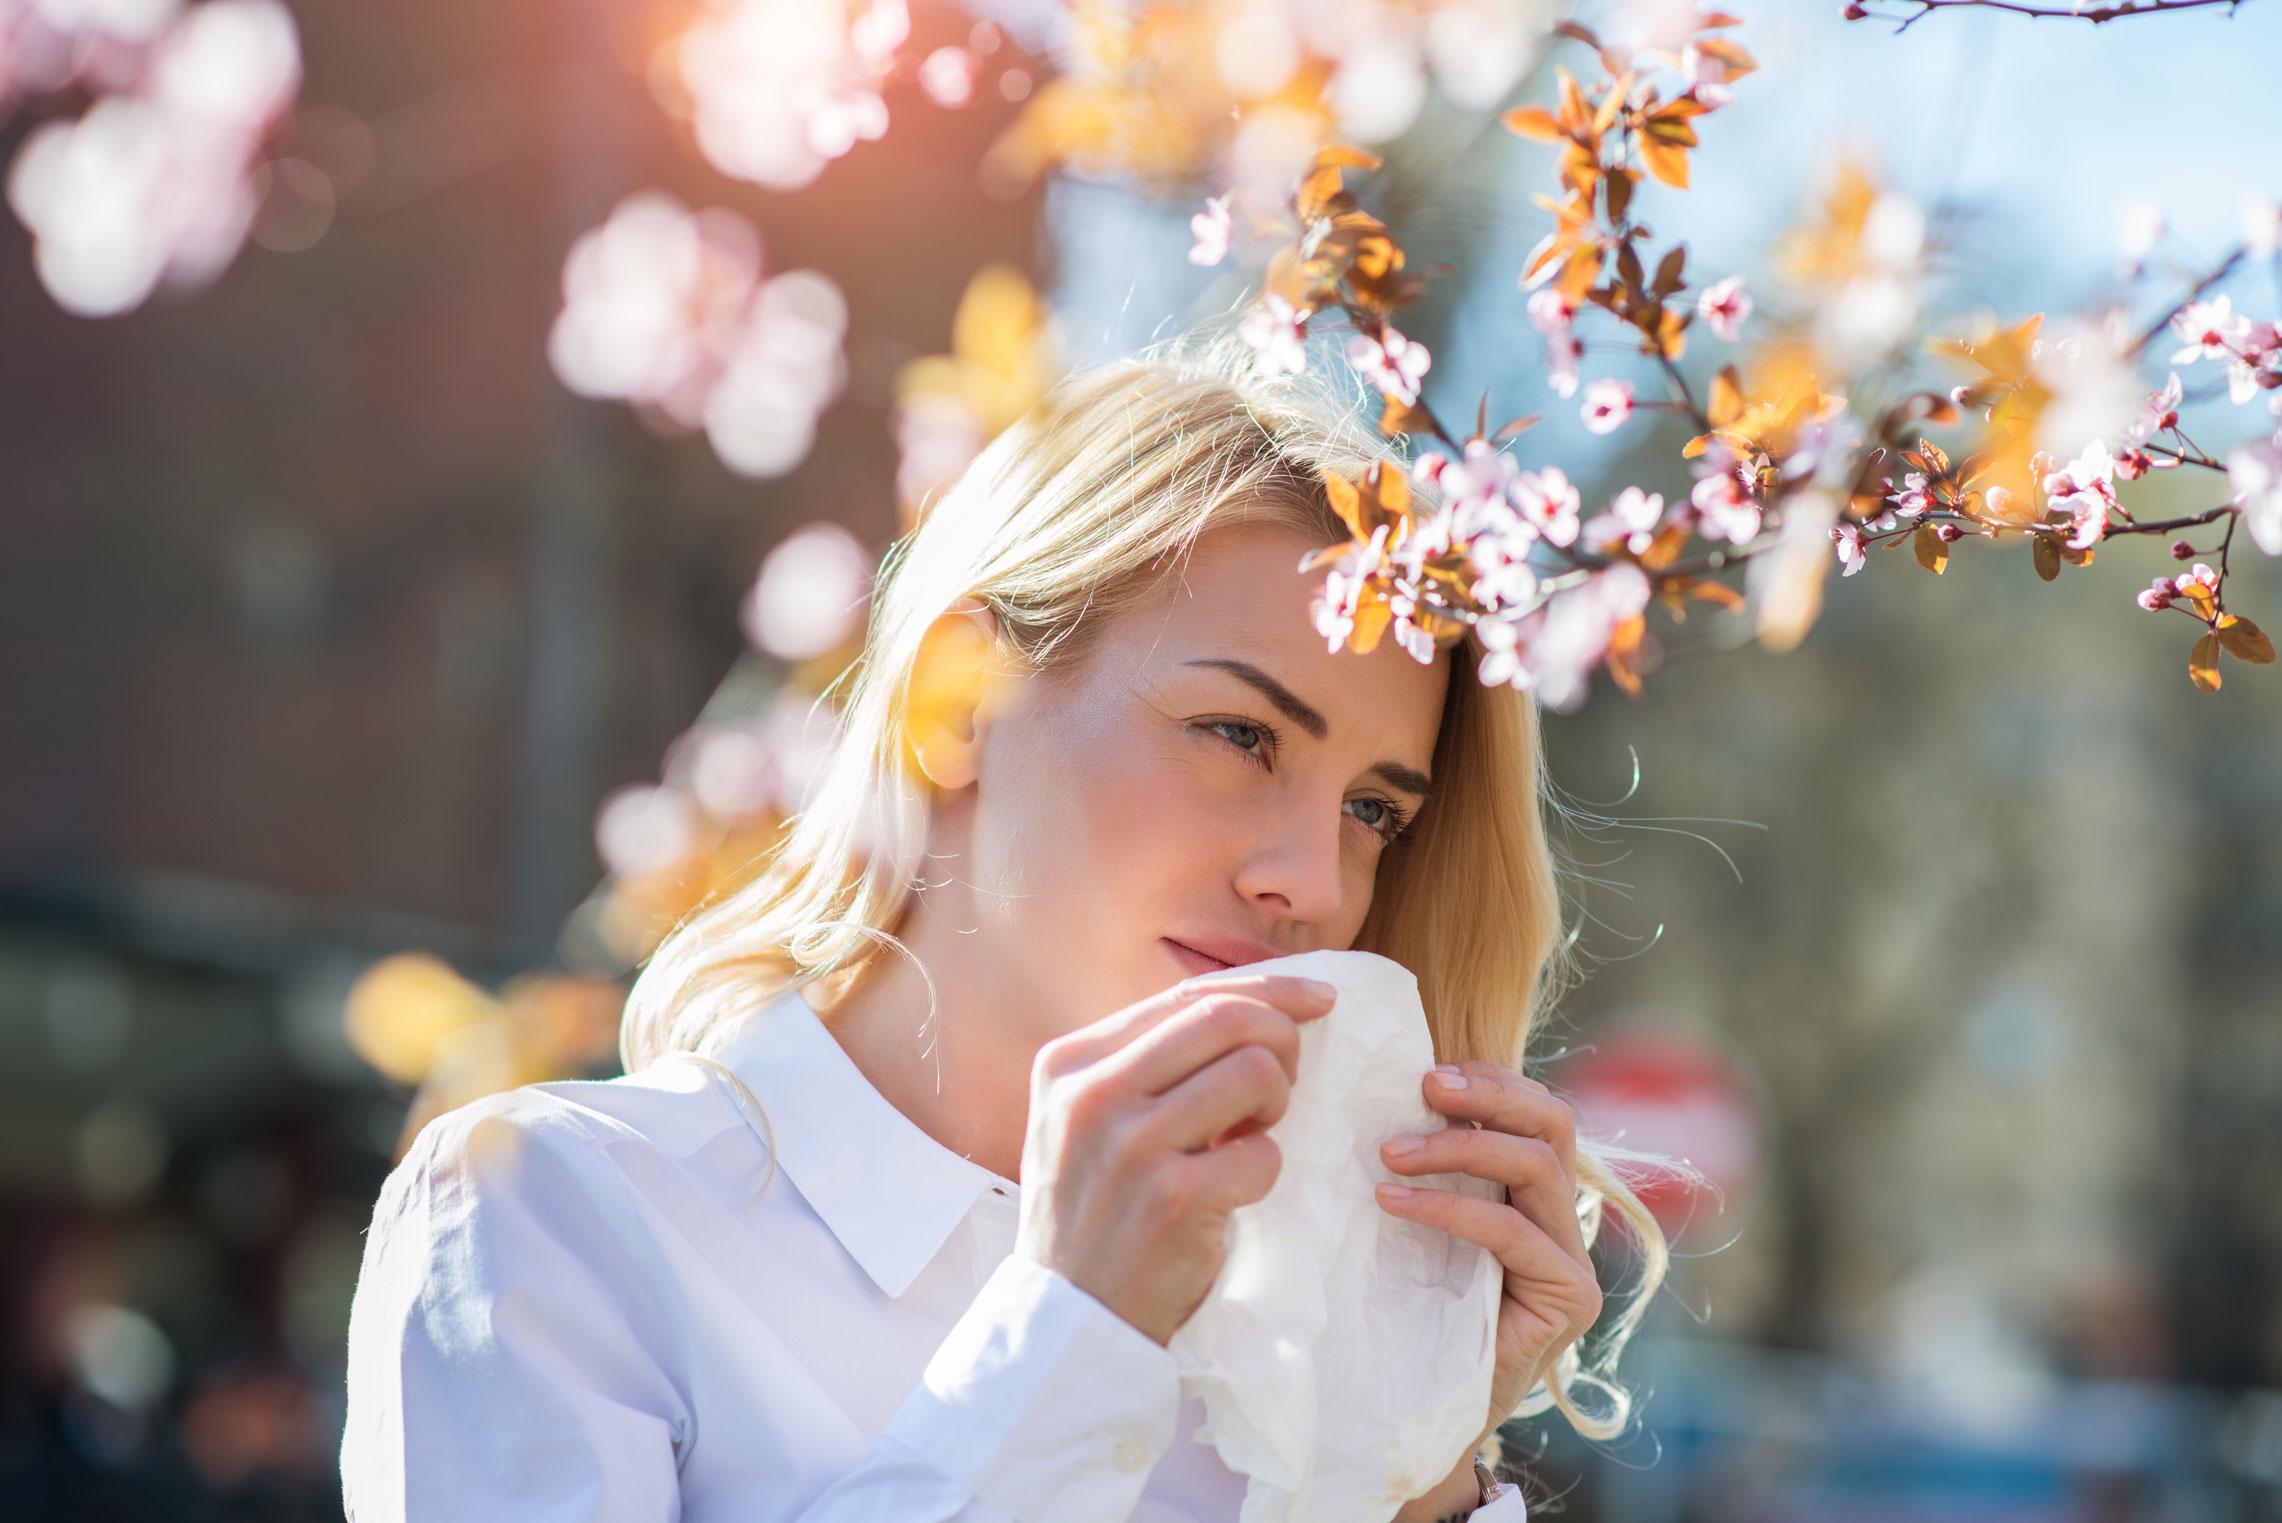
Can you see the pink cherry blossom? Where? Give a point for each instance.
(1553, 648)
(1607, 405)
(2211, 328)
(779, 88)
(2261, 227)
(948, 76)
(1394, 364)
(2084, 487)
(2200, 576)
(1406, 631)
(156, 181)
(811, 592)
(2158, 412)
(1724, 501)
(667, 310)
(1848, 535)
(2254, 470)
(1333, 609)
(2258, 366)
(1632, 518)
(1552, 314)
(2157, 595)
(1724, 305)
(1277, 332)
(1499, 556)
(1475, 484)
(1911, 501)
(1211, 228)
(1548, 502)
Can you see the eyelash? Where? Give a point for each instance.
(1397, 834)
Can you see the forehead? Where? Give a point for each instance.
(1241, 595)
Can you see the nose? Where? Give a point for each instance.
(1293, 860)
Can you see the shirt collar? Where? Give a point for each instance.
(888, 1191)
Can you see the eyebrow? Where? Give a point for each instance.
(1309, 718)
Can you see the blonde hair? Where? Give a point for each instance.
(1073, 511)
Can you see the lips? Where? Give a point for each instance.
(1219, 951)
(1191, 960)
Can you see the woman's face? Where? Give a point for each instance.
(1209, 774)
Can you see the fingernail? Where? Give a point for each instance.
(1401, 1145)
(1395, 1192)
(1450, 1077)
(1319, 988)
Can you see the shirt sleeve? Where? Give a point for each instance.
(1040, 1406)
(501, 1344)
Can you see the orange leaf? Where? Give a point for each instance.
(1665, 162)
(1738, 61)
(1402, 418)
(1341, 156)
(1624, 653)
(1726, 403)
(1533, 122)
(1931, 552)
(1371, 618)
(2203, 664)
(1611, 104)
(1346, 502)
(1672, 332)
(1576, 120)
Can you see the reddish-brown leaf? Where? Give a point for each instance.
(2046, 553)
(2244, 640)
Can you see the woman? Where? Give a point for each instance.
(925, 1147)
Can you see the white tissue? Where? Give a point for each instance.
(1344, 1354)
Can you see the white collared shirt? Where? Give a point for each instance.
(577, 1301)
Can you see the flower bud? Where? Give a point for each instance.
(2180, 551)
(1947, 533)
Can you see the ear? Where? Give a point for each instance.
(955, 685)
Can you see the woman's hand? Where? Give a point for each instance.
(1147, 1131)
(1526, 1140)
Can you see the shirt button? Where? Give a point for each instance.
(1132, 1453)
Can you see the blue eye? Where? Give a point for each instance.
(1394, 830)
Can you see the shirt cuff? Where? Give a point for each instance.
(1043, 1402)
(1508, 1506)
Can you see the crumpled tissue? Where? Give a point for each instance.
(1344, 1355)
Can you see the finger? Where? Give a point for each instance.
(1500, 1099)
(1525, 1250)
(1568, 1287)
(1235, 1173)
(1246, 1083)
(1184, 1042)
(1528, 1167)
(1117, 1030)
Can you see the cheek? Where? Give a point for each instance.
(1099, 836)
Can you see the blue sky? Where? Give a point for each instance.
(2046, 128)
